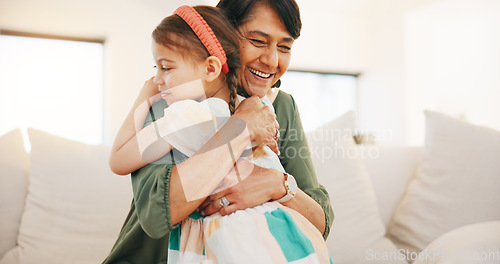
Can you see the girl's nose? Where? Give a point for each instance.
(157, 80)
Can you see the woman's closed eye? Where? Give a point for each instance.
(261, 43)
(257, 42)
(284, 48)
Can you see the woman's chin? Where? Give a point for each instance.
(259, 91)
(255, 85)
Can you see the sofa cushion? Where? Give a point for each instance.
(357, 234)
(476, 243)
(75, 204)
(391, 168)
(456, 183)
(14, 169)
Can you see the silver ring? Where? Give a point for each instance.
(277, 134)
(223, 201)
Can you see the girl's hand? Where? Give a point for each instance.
(149, 91)
(260, 120)
(259, 186)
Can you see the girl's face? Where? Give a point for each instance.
(265, 50)
(177, 77)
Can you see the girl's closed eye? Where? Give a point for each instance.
(163, 68)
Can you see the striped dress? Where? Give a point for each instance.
(268, 233)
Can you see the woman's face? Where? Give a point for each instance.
(265, 50)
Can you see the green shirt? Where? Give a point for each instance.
(144, 236)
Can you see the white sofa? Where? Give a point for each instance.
(61, 204)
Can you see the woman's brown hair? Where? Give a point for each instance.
(237, 11)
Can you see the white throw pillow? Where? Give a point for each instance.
(75, 205)
(14, 170)
(357, 234)
(391, 168)
(457, 183)
(473, 244)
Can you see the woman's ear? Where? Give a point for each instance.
(213, 68)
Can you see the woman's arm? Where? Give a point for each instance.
(260, 186)
(312, 201)
(309, 208)
(165, 194)
(129, 151)
(296, 160)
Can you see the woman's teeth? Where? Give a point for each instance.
(260, 74)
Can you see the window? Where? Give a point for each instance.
(50, 84)
(321, 97)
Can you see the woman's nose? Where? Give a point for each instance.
(270, 57)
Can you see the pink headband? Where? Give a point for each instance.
(204, 33)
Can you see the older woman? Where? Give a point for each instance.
(267, 30)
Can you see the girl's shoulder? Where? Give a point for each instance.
(188, 107)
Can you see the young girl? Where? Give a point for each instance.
(196, 52)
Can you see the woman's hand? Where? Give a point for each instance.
(260, 120)
(251, 186)
(260, 185)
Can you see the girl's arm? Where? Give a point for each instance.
(194, 179)
(165, 194)
(135, 146)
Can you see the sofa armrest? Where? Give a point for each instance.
(14, 171)
(476, 243)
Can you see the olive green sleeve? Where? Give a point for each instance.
(151, 188)
(151, 195)
(296, 157)
(144, 234)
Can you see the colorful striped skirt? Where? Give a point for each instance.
(268, 233)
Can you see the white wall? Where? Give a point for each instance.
(125, 26)
(440, 55)
(452, 50)
(382, 90)
(367, 37)
(333, 37)
(391, 42)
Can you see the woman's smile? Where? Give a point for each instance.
(260, 74)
